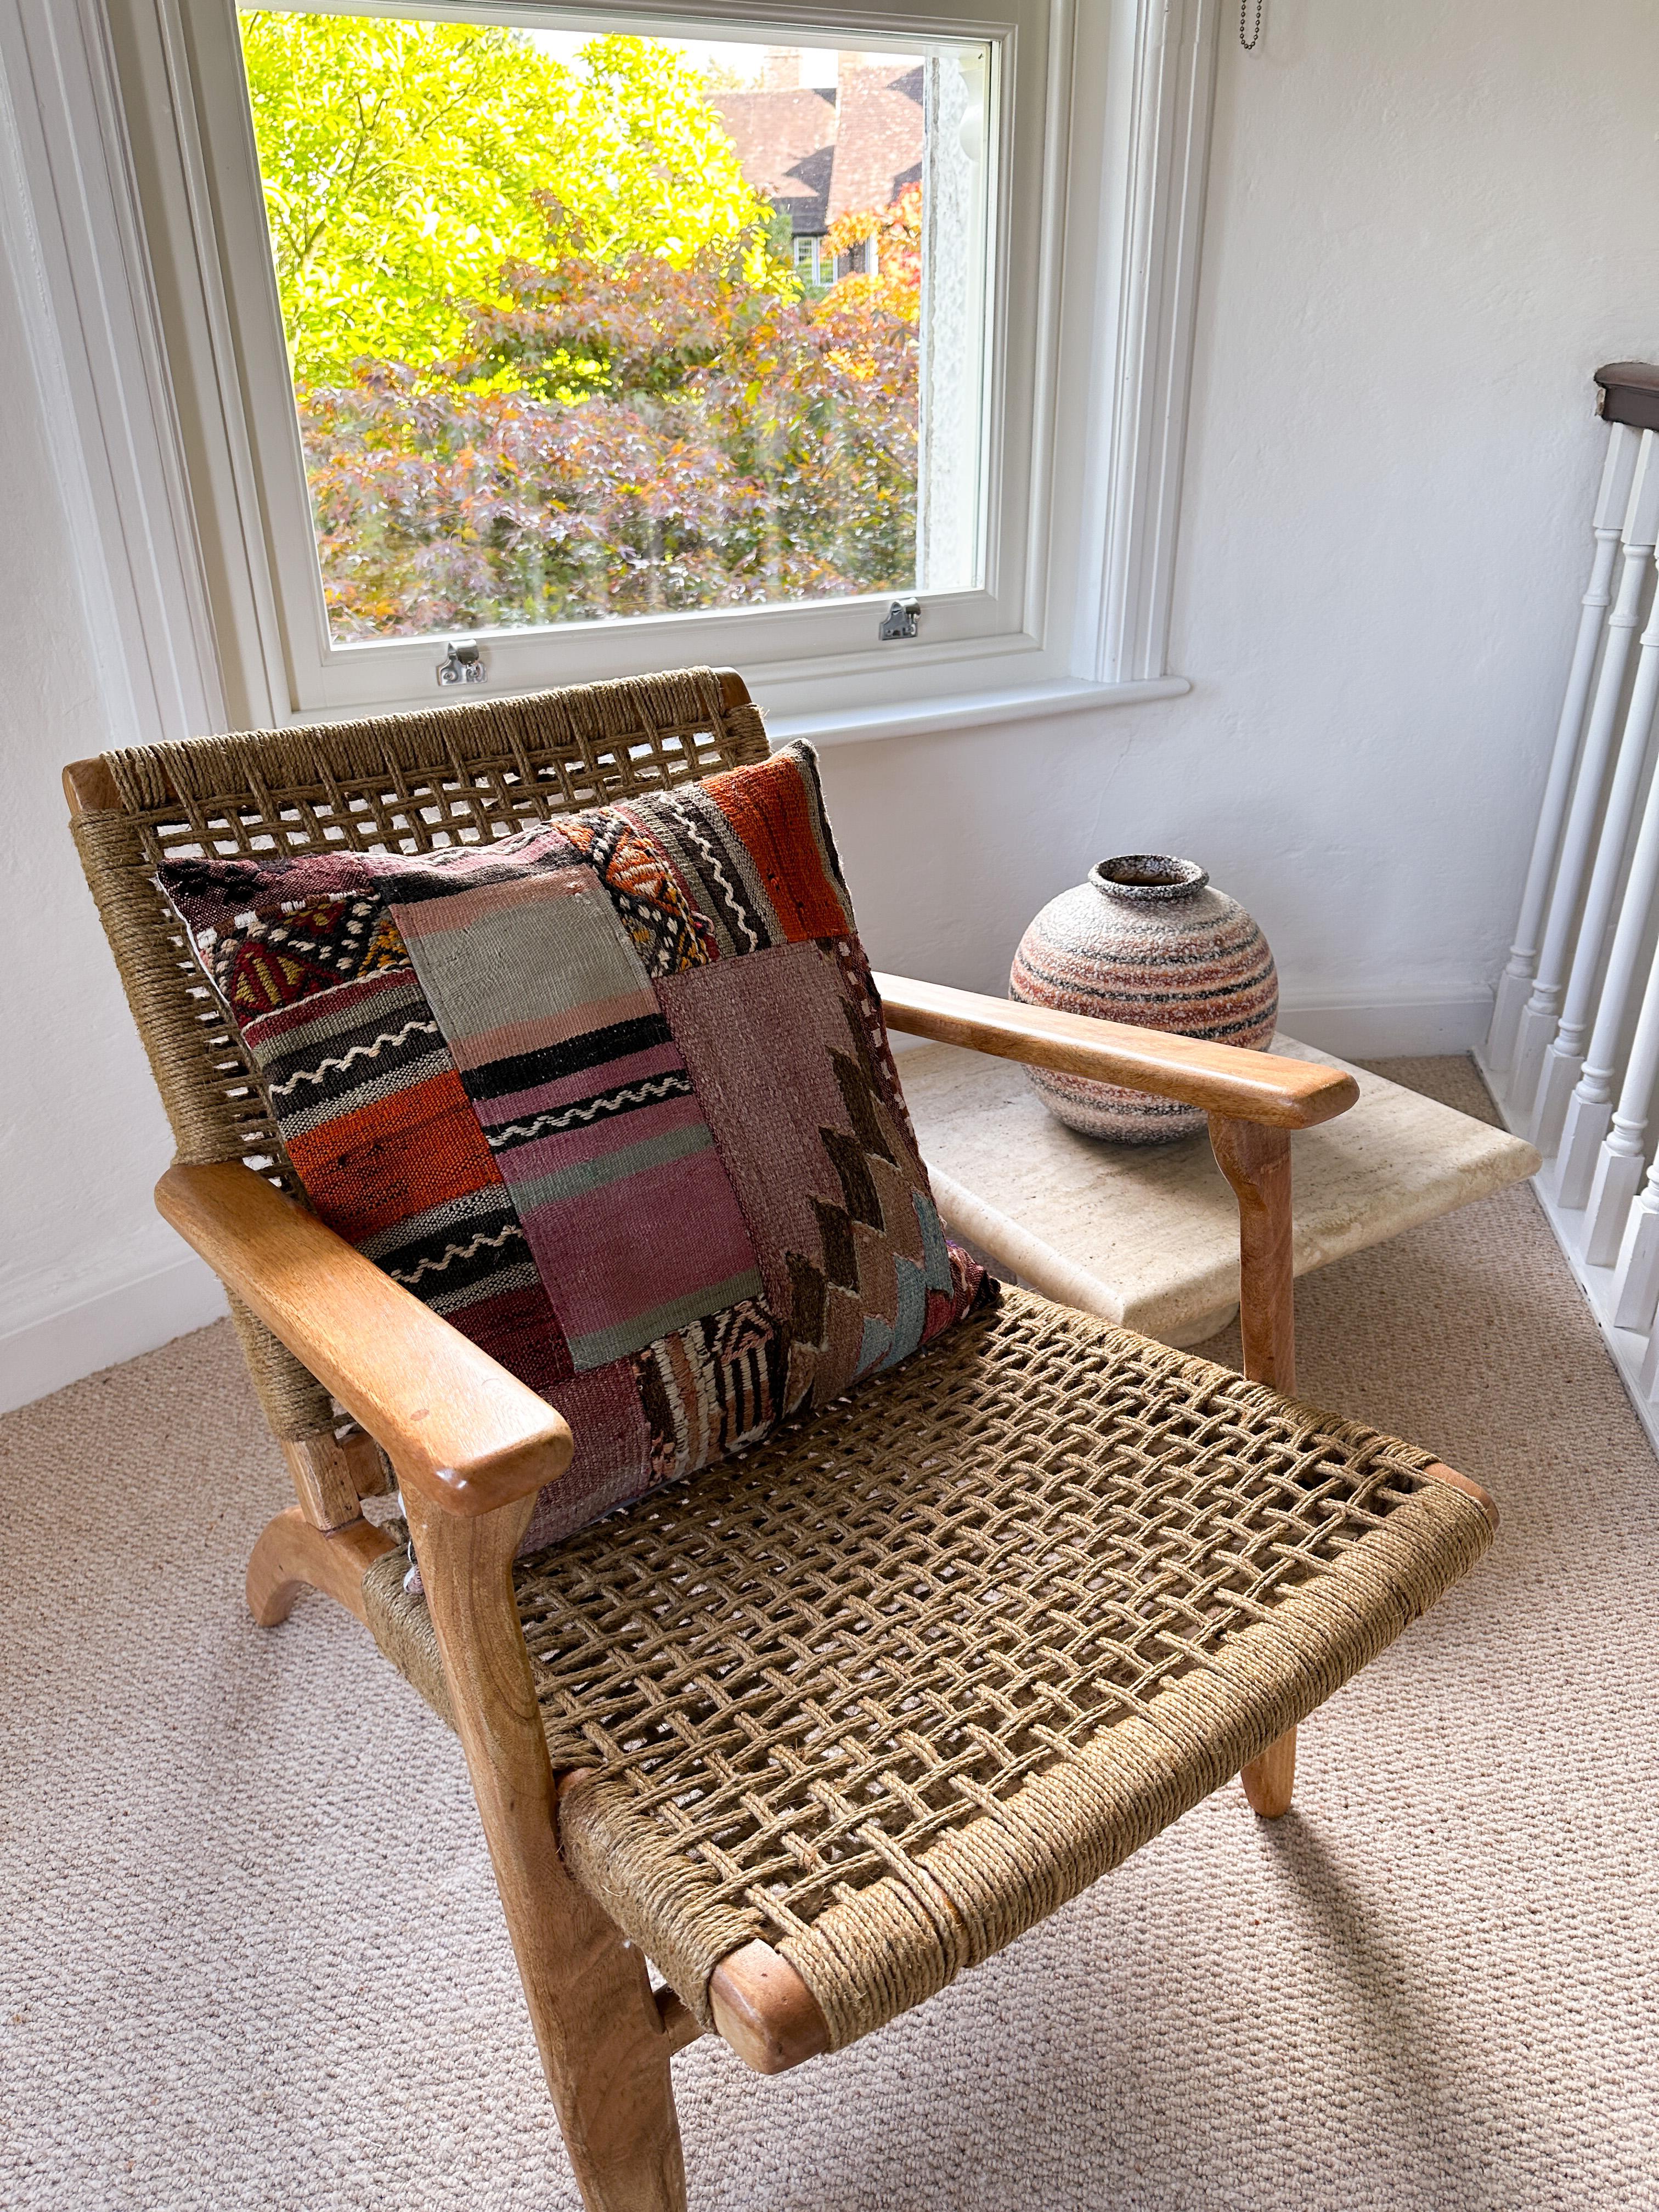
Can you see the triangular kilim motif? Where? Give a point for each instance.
(863, 1299)
(309, 948)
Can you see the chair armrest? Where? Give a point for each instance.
(1222, 1078)
(456, 1426)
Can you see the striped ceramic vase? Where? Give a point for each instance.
(1146, 939)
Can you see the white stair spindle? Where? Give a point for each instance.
(1611, 503)
(1538, 1019)
(1564, 1061)
(1593, 907)
(1589, 1116)
(1619, 1170)
(1592, 1108)
(1618, 1178)
(1618, 1167)
(1638, 1286)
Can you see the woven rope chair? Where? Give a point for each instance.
(816, 1730)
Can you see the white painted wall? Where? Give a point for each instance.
(1427, 224)
(88, 1272)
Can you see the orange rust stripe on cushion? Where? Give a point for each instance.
(772, 812)
(405, 1153)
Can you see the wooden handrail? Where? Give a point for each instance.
(1629, 393)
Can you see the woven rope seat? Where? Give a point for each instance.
(890, 1688)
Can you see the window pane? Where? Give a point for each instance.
(593, 324)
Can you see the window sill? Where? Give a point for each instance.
(971, 710)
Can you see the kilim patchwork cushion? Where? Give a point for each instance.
(613, 1094)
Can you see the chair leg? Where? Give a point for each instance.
(607, 2058)
(1256, 1162)
(604, 2045)
(293, 1555)
(1270, 1781)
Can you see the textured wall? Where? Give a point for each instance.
(1427, 224)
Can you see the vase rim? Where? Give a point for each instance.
(1147, 878)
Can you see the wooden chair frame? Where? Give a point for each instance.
(470, 1446)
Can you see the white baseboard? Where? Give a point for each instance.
(117, 1324)
(1388, 1029)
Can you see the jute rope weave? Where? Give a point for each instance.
(889, 1689)
(406, 783)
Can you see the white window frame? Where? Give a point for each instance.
(129, 206)
(807, 263)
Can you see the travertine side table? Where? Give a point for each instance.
(1148, 1235)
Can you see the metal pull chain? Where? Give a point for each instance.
(1248, 44)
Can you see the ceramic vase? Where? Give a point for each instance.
(1147, 940)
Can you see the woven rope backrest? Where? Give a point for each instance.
(402, 783)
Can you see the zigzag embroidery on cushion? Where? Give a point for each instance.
(262, 964)
(667, 943)
(863, 1102)
(826, 1327)
(651, 1092)
(390, 1041)
(668, 932)
(871, 1295)
(412, 1278)
(466, 1253)
(868, 1306)
(862, 1007)
(722, 877)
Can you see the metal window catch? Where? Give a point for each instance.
(901, 619)
(463, 663)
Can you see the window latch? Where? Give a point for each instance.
(463, 663)
(901, 619)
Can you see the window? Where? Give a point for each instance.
(630, 336)
(818, 265)
(557, 353)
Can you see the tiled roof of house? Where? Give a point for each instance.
(877, 140)
(785, 142)
(823, 155)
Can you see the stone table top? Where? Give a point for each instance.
(1147, 1236)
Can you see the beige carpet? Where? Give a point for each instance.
(250, 1957)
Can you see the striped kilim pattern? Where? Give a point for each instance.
(614, 1095)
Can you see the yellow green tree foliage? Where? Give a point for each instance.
(405, 164)
(550, 360)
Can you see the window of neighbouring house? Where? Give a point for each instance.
(583, 323)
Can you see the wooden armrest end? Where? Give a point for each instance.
(1222, 1078)
(458, 1427)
